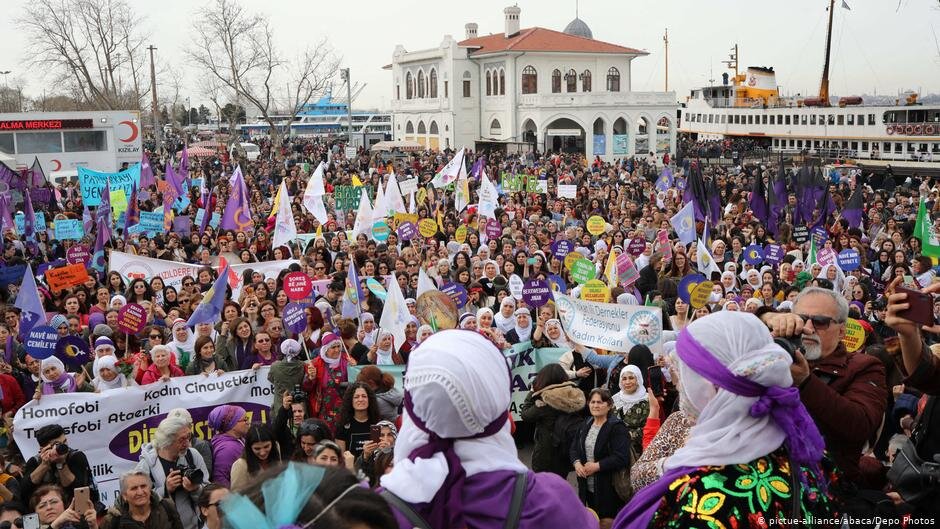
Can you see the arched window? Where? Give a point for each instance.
(556, 82)
(433, 128)
(489, 84)
(421, 128)
(495, 128)
(530, 80)
(586, 81)
(421, 91)
(433, 82)
(613, 80)
(409, 128)
(502, 82)
(571, 81)
(409, 86)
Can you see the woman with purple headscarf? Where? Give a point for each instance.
(229, 425)
(735, 468)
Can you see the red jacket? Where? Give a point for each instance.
(846, 395)
(152, 374)
(13, 398)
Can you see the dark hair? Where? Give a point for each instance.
(359, 506)
(603, 394)
(315, 428)
(47, 433)
(12, 506)
(260, 433)
(201, 341)
(206, 493)
(42, 491)
(347, 414)
(550, 374)
(311, 509)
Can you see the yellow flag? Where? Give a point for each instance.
(319, 234)
(356, 182)
(440, 220)
(610, 272)
(277, 200)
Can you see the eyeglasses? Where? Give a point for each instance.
(820, 323)
(156, 337)
(8, 524)
(262, 340)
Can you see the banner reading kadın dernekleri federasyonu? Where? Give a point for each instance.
(111, 427)
(610, 326)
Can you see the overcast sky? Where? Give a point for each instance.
(877, 46)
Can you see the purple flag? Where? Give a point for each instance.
(237, 215)
(103, 213)
(714, 201)
(38, 176)
(207, 213)
(477, 168)
(29, 302)
(146, 173)
(132, 215)
(174, 182)
(853, 208)
(6, 218)
(87, 221)
(758, 202)
(98, 261)
(29, 219)
(184, 163)
(211, 306)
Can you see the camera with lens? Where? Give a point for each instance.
(790, 345)
(61, 449)
(193, 474)
(879, 304)
(298, 395)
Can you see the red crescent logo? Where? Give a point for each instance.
(58, 165)
(134, 131)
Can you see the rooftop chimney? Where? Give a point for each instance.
(512, 20)
(471, 28)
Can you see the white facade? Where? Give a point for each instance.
(482, 90)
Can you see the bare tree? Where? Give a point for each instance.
(92, 48)
(238, 49)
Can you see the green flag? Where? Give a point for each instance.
(811, 256)
(924, 230)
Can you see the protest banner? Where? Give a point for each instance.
(92, 183)
(513, 183)
(39, 220)
(111, 427)
(151, 222)
(66, 276)
(347, 197)
(610, 326)
(567, 191)
(69, 229)
(172, 272)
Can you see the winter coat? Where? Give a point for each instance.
(846, 394)
(13, 397)
(612, 452)
(543, 408)
(152, 374)
(163, 515)
(184, 500)
(284, 375)
(389, 401)
(197, 365)
(225, 451)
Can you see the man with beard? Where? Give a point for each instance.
(845, 393)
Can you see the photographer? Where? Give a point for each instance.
(57, 464)
(293, 412)
(176, 469)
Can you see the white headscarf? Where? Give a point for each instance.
(623, 400)
(562, 340)
(627, 299)
(725, 432)
(456, 395)
(753, 278)
(839, 283)
(371, 337)
(108, 362)
(177, 346)
(503, 323)
(524, 333)
(482, 311)
(383, 357)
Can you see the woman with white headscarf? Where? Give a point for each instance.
(833, 273)
(455, 460)
(383, 351)
(324, 379)
(183, 345)
(108, 376)
(751, 427)
(632, 404)
(753, 278)
(505, 319)
(522, 328)
(367, 330)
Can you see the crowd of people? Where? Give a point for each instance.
(756, 413)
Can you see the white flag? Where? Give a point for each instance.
(424, 282)
(393, 198)
(363, 222)
(380, 208)
(705, 261)
(285, 230)
(488, 197)
(395, 315)
(313, 195)
(450, 172)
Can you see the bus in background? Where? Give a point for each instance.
(63, 141)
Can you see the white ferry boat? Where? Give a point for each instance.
(324, 117)
(749, 105)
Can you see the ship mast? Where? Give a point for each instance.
(824, 84)
(666, 40)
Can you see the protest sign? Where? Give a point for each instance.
(536, 293)
(826, 256)
(595, 290)
(427, 227)
(562, 248)
(849, 260)
(39, 221)
(627, 274)
(493, 229)
(854, 335)
(73, 351)
(773, 254)
(69, 229)
(66, 276)
(92, 183)
(457, 292)
(636, 247)
(595, 225)
(151, 222)
(297, 285)
(408, 185)
(460, 235)
(567, 191)
(407, 231)
(754, 254)
(516, 286)
(582, 270)
(610, 326)
(376, 288)
(111, 427)
(347, 197)
(381, 231)
(40, 342)
(800, 234)
(295, 318)
(132, 318)
(700, 294)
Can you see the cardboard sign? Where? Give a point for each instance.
(493, 229)
(295, 318)
(516, 286)
(408, 185)
(595, 225)
(583, 270)
(773, 254)
(73, 351)
(754, 254)
(407, 231)
(41, 342)
(456, 292)
(637, 247)
(560, 249)
(567, 191)
(78, 254)
(700, 294)
(854, 335)
(595, 290)
(536, 293)
(849, 260)
(297, 285)
(427, 227)
(381, 231)
(826, 256)
(66, 276)
(132, 318)
(69, 229)
(460, 235)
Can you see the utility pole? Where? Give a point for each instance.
(155, 114)
(344, 75)
(666, 40)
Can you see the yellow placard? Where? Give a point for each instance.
(461, 234)
(570, 259)
(422, 195)
(427, 228)
(595, 290)
(854, 335)
(700, 294)
(596, 224)
(118, 202)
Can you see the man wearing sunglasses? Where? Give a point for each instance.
(845, 393)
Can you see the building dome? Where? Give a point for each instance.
(578, 28)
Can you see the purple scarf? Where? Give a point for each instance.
(65, 381)
(447, 504)
(804, 443)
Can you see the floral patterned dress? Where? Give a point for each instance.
(756, 495)
(331, 398)
(635, 418)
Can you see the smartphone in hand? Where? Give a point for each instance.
(920, 306)
(82, 499)
(655, 376)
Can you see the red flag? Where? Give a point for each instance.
(232, 275)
